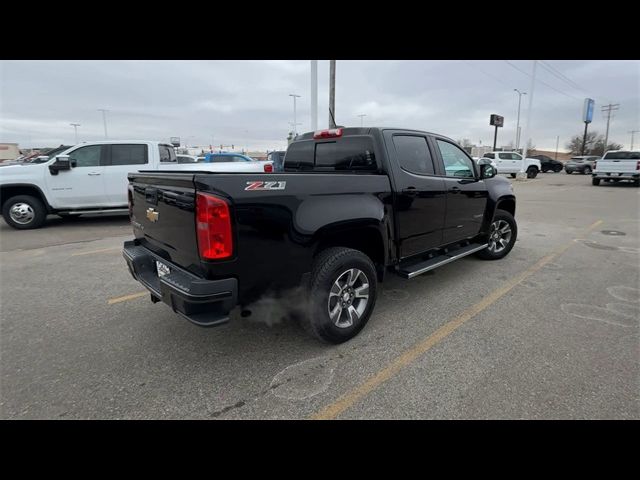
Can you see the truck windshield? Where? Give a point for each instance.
(622, 156)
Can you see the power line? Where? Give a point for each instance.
(562, 76)
(540, 81)
(608, 109)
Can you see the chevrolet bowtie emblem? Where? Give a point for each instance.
(152, 215)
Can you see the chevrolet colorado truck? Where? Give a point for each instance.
(351, 206)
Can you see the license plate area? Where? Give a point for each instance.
(162, 269)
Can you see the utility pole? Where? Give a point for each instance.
(104, 119)
(314, 95)
(76, 125)
(332, 93)
(527, 126)
(608, 109)
(632, 132)
(362, 115)
(518, 122)
(557, 142)
(295, 129)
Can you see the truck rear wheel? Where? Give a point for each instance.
(24, 212)
(595, 181)
(502, 236)
(513, 175)
(532, 172)
(343, 288)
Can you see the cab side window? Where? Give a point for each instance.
(128, 154)
(86, 156)
(413, 154)
(456, 161)
(167, 154)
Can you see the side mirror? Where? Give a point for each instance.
(63, 162)
(486, 169)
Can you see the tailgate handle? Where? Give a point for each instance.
(151, 194)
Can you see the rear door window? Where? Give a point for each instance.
(128, 154)
(413, 154)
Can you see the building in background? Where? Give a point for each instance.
(9, 151)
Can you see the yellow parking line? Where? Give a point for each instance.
(102, 250)
(409, 356)
(124, 298)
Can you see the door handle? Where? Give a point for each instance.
(454, 190)
(93, 174)
(410, 191)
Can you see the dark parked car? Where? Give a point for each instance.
(278, 160)
(582, 163)
(352, 206)
(548, 164)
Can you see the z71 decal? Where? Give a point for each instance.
(266, 185)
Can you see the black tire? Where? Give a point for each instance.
(636, 183)
(557, 169)
(328, 267)
(595, 181)
(586, 171)
(513, 175)
(532, 172)
(37, 212)
(487, 254)
(569, 172)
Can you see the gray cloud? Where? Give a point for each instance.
(246, 103)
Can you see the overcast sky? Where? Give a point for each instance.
(246, 103)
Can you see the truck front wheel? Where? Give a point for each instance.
(342, 294)
(503, 232)
(24, 212)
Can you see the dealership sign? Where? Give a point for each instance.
(587, 111)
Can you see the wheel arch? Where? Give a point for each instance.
(13, 189)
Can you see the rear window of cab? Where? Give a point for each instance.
(354, 153)
(622, 156)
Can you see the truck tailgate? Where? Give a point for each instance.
(617, 166)
(163, 216)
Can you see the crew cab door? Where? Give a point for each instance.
(419, 198)
(83, 185)
(466, 193)
(120, 160)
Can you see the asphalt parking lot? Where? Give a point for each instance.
(549, 332)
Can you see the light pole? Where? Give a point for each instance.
(104, 119)
(632, 132)
(295, 129)
(527, 127)
(332, 94)
(314, 95)
(518, 121)
(75, 128)
(362, 115)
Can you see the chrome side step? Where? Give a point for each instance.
(419, 268)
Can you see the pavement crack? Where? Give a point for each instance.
(217, 413)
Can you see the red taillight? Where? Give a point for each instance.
(213, 226)
(130, 200)
(268, 168)
(330, 133)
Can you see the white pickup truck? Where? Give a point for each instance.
(513, 163)
(617, 165)
(90, 177)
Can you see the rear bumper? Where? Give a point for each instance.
(617, 175)
(203, 302)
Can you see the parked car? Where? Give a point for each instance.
(616, 166)
(352, 206)
(513, 163)
(90, 177)
(277, 157)
(582, 163)
(548, 164)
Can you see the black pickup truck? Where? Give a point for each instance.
(352, 205)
